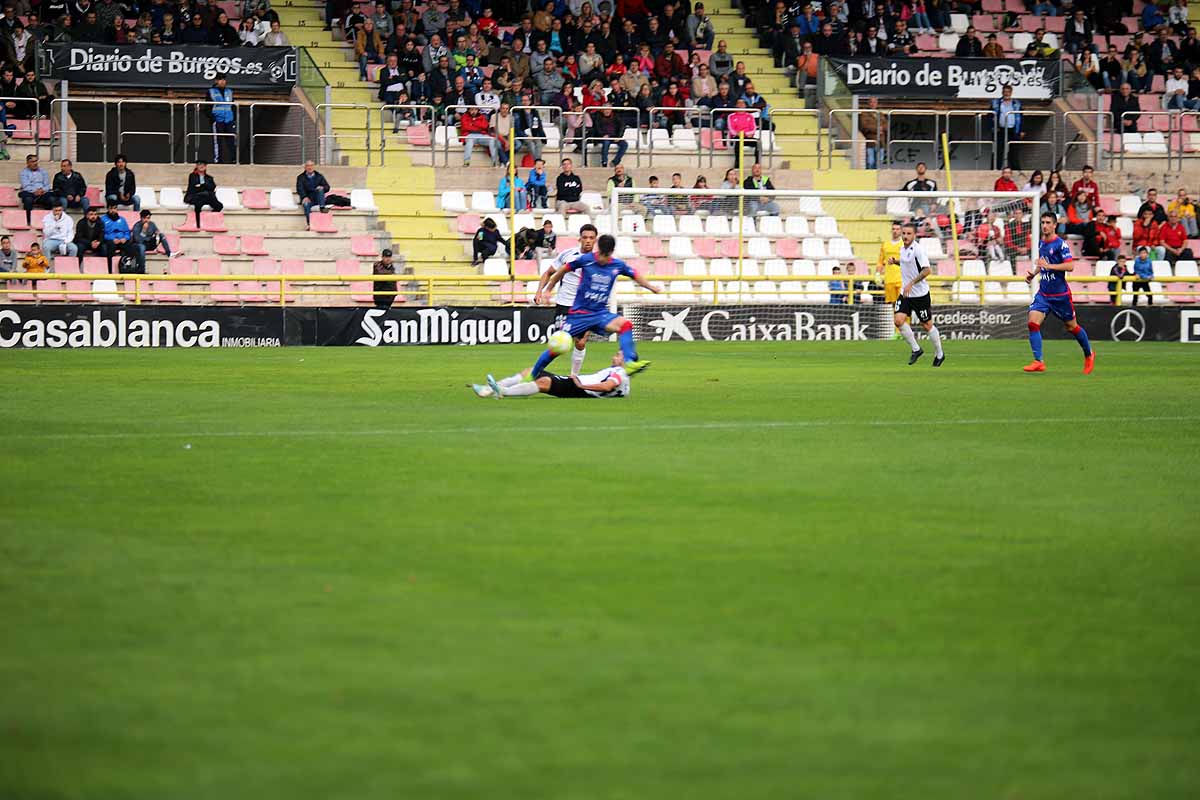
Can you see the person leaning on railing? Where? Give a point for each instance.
(384, 266)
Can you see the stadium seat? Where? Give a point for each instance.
(721, 268)
(188, 224)
(1129, 205)
(171, 198)
(283, 200)
(679, 247)
(717, 225)
(207, 266)
(525, 268)
(825, 266)
(265, 266)
(254, 246)
(749, 227)
(22, 239)
(660, 140)
(166, 292)
(796, 227)
(576, 221)
(14, 220)
(694, 267)
(454, 201)
(787, 248)
(948, 42)
(557, 221)
(733, 292)
(684, 139)
(226, 246)
(749, 268)
(148, 196)
(1186, 269)
(633, 224)
(1153, 142)
(966, 292)
(775, 268)
(729, 248)
(593, 200)
(993, 292)
(349, 266)
(816, 292)
(840, 248)
(813, 248)
(760, 247)
(974, 268)
(363, 200)
(1125, 227)
(229, 198)
(804, 267)
(898, 207)
(791, 291)
(933, 247)
(810, 206)
(322, 223)
(9, 198)
(770, 226)
(495, 267)
(999, 268)
(255, 199)
(181, 265)
(706, 247)
(363, 246)
(691, 225)
(292, 266)
(652, 247)
(214, 221)
(483, 202)
(765, 292)
(825, 227)
(1162, 270)
(625, 248)
(680, 291)
(664, 267)
(664, 225)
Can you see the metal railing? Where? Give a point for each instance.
(300, 137)
(414, 114)
(327, 139)
(979, 120)
(1137, 116)
(720, 138)
(1094, 121)
(847, 119)
(681, 113)
(61, 135)
(587, 138)
(169, 133)
(1025, 143)
(555, 121)
(191, 114)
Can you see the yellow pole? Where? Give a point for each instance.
(953, 205)
(512, 206)
(741, 206)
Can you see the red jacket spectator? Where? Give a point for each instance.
(1076, 217)
(1004, 184)
(669, 66)
(1086, 184)
(1146, 235)
(1172, 235)
(472, 123)
(1107, 236)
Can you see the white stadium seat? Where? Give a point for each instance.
(898, 206)
(825, 267)
(680, 291)
(694, 267)
(1186, 269)
(1162, 270)
(796, 227)
(691, 225)
(363, 200)
(1128, 205)
(749, 268)
(810, 206)
(577, 221)
(974, 268)
(998, 268)
(770, 226)
(721, 268)
(817, 292)
(281, 200)
(813, 247)
(765, 292)
(826, 227)
(775, 268)
(454, 201)
(171, 197)
(679, 247)
(625, 247)
(495, 267)
(148, 197)
(840, 248)
(933, 247)
(664, 225)
(484, 202)
(758, 247)
(633, 224)
(229, 198)
(717, 225)
(804, 267)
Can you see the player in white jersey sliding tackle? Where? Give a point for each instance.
(607, 383)
(565, 297)
(914, 296)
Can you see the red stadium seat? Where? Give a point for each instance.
(255, 199)
(349, 266)
(8, 197)
(365, 246)
(226, 246)
(322, 223)
(167, 292)
(213, 221)
(651, 247)
(254, 246)
(265, 266)
(14, 220)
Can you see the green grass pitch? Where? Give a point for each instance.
(776, 571)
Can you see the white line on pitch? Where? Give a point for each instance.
(666, 426)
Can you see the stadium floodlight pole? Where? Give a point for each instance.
(953, 205)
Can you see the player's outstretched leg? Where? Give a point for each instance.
(935, 336)
(624, 330)
(481, 389)
(1035, 343)
(1089, 356)
(542, 362)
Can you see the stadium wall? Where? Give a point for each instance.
(73, 326)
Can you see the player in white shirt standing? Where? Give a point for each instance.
(565, 296)
(914, 296)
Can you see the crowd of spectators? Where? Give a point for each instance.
(155, 22)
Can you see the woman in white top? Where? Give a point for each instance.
(247, 34)
(1036, 183)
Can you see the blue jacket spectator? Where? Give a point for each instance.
(1152, 17)
(1142, 267)
(536, 183)
(224, 120)
(117, 237)
(502, 193)
(1013, 110)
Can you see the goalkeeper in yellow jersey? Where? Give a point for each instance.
(889, 265)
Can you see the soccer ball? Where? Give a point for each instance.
(560, 342)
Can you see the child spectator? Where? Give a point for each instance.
(536, 185)
(1144, 270)
(1119, 271)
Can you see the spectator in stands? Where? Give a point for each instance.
(1177, 88)
(720, 63)
(1055, 183)
(1153, 206)
(146, 238)
(610, 129)
(901, 43)
(1143, 268)
(382, 20)
(703, 85)
(1119, 271)
(1112, 71)
(35, 188)
(1039, 47)
(116, 236)
(384, 291)
(1163, 54)
(837, 288)
(969, 45)
(311, 188)
(487, 242)
(1124, 110)
(35, 262)
(1078, 33)
(473, 129)
(505, 195)
(224, 119)
(1183, 206)
(368, 48)
(545, 241)
(921, 183)
(1005, 182)
(201, 190)
(1174, 236)
(549, 81)
(20, 47)
(1146, 234)
(530, 133)
(120, 185)
(69, 187)
(222, 34)
(1137, 73)
(536, 183)
(760, 205)
(993, 49)
(700, 31)
(874, 128)
(1035, 183)
(1152, 17)
(58, 232)
(352, 23)
(487, 97)
(1080, 215)
(1102, 240)
(89, 235)
(568, 191)
(275, 37)
(1055, 204)
(1189, 48)
(1007, 110)
(655, 204)
(620, 180)
(8, 256)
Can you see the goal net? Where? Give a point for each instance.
(819, 248)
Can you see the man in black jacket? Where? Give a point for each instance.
(1078, 33)
(70, 188)
(311, 187)
(969, 45)
(610, 130)
(89, 235)
(120, 185)
(568, 189)
(201, 190)
(1122, 102)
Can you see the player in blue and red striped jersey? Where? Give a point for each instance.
(1054, 296)
(598, 274)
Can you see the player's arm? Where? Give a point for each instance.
(557, 276)
(637, 278)
(538, 296)
(604, 386)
